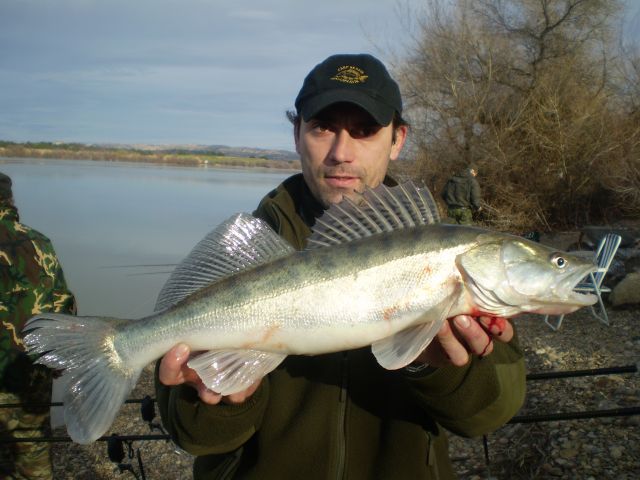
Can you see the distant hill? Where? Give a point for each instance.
(223, 150)
(187, 155)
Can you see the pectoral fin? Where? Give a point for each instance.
(231, 371)
(401, 349)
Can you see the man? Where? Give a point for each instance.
(341, 415)
(31, 281)
(462, 196)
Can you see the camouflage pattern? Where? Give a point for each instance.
(23, 460)
(31, 281)
(462, 216)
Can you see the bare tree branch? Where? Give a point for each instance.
(539, 95)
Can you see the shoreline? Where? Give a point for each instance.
(160, 164)
(156, 158)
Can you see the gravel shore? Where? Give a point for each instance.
(593, 448)
(598, 448)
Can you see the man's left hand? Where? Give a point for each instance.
(464, 335)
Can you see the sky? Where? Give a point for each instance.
(166, 72)
(173, 71)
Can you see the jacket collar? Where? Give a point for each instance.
(309, 208)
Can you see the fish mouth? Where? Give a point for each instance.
(561, 298)
(567, 288)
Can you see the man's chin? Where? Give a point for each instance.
(331, 191)
(337, 197)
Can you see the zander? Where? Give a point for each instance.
(382, 272)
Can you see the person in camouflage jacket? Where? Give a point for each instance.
(31, 281)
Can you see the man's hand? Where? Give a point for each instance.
(174, 371)
(464, 335)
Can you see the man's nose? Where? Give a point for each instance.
(343, 150)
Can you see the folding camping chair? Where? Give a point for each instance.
(593, 282)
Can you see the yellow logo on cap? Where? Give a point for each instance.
(350, 74)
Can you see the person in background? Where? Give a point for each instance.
(462, 196)
(31, 281)
(341, 415)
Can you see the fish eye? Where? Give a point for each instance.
(559, 261)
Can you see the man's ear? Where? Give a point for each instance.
(296, 135)
(400, 138)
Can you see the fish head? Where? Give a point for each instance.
(506, 275)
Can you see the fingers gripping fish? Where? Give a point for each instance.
(247, 299)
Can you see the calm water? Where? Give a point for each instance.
(116, 226)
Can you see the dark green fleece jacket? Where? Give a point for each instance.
(462, 191)
(341, 415)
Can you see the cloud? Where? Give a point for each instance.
(252, 14)
(196, 71)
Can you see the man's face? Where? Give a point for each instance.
(343, 149)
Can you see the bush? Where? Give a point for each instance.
(532, 93)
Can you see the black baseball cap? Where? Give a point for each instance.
(360, 79)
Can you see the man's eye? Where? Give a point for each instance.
(363, 131)
(321, 127)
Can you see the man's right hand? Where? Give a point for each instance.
(174, 371)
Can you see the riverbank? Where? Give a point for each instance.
(161, 157)
(587, 448)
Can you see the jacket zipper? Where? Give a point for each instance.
(230, 464)
(342, 414)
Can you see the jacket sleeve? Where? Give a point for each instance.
(33, 282)
(478, 398)
(63, 299)
(203, 429)
(476, 196)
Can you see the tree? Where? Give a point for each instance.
(531, 91)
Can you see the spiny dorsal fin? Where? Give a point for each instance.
(381, 209)
(239, 243)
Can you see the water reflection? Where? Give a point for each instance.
(117, 227)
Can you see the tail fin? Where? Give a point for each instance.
(99, 382)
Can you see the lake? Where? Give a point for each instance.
(119, 228)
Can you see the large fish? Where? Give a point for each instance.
(382, 273)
